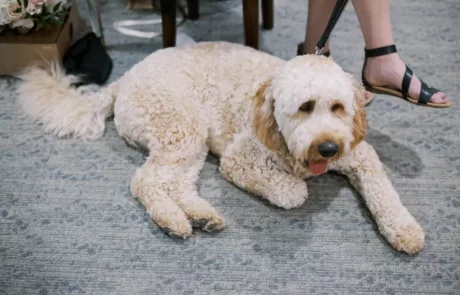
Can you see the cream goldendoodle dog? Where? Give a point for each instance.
(272, 123)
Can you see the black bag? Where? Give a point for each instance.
(89, 60)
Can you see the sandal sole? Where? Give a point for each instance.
(396, 93)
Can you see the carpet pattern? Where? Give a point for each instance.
(68, 223)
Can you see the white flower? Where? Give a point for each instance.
(31, 9)
(34, 7)
(10, 11)
(27, 23)
(3, 17)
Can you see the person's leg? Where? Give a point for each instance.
(387, 70)
(319, 12)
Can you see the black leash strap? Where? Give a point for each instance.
(339, 6)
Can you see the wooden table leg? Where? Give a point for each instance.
(193, 9)
(251, 22)
(168, 18)
(267, 14)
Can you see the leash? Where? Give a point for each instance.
(338, 9)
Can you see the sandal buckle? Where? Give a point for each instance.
(319, 51)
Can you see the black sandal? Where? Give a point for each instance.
(426, 92)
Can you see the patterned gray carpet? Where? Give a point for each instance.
(68, 224)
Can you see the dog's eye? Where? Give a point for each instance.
(336, 107)
(307, 107)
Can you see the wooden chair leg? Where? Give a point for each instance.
(267, 14)
(168, 18)
(251, 22)
(193, 9)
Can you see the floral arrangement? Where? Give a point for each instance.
(24, 15)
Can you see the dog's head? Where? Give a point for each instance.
(311, 109)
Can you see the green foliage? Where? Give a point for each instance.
(47, 18)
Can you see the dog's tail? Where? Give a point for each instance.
(48, 96)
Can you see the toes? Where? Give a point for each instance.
(214, 224)
(175, 225)
(175, 234)
(210, 223)
(409, 238)
(368, 97)
(200, 223)
(439, 97)
(200, 212)
(177, 230)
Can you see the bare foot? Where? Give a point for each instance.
(368, 96)
(388, 70)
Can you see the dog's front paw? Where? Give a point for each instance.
(288, 196)
(409, 238)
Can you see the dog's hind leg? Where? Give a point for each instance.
(166, 186)
(184, 193)
(172, 124)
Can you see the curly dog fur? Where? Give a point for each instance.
(265, 118)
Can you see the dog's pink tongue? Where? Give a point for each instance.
(318, 168)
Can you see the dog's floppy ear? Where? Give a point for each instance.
(359, 119)
(265, 126)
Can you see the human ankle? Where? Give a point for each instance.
(384, 69)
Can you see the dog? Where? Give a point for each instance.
(273, 123)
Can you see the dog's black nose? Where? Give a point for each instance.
(328, 149)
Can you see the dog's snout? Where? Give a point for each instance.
(328, 149)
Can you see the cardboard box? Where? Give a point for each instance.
(18, 51)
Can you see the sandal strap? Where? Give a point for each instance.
(380, 51)
(426, 93)
(406, 82)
